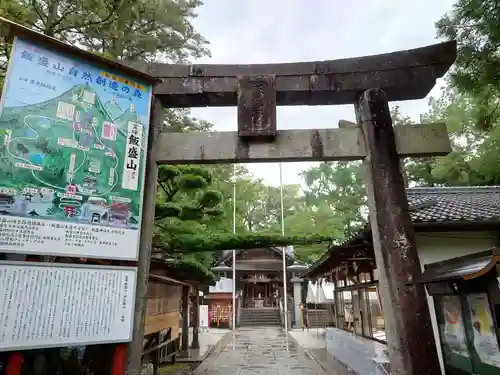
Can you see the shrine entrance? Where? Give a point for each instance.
(261, 290)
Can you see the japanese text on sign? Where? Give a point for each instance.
(48, 305)
(131, 165)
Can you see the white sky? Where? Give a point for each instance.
(274, 31)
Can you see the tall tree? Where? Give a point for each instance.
(146, 30)
(475, 24)
(314, 220)
(340, 185)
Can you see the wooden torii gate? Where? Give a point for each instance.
(369, 83)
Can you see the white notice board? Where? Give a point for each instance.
(204, 316)
(50, 305)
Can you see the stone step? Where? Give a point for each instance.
(264, 315)
(258, 316)
(259, 324)
(320, 318)
(261, 320)
(274, 321)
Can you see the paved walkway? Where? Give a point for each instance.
(208, 339)
(259, 351)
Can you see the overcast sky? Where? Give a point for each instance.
(275, 31)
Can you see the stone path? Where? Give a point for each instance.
(259, 351)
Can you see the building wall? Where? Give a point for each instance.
(163, 302)
(437, 247)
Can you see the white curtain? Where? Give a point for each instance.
(311, 293)
(329, 289)
(320, 295)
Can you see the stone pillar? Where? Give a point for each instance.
(410, 337)
(297, 299)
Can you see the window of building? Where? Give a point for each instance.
(360, 310)
(377, 317)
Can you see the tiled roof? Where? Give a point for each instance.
(454, 204)
(451, 205)
(443, 205)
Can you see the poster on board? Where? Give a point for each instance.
(52, 305)
(74, 139)
(453, 330)
(204, 322)
(485, 338)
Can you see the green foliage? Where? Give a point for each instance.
(473, 159)
(184, 203)
(318, 221)
(189, 269)
(475, 24)
(206, 242)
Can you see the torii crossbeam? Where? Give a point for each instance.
(402, 75)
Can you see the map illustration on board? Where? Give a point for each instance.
(72, 141)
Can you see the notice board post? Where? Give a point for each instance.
(135, 348)
(75, 128)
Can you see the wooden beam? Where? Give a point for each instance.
(167, 280)
(404, 75)
(295, 145)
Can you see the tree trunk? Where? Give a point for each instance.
(196, 321)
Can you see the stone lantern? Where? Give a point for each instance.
(222, 270)
(296, 270)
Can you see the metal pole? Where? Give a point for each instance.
(285, 299)
(234, 251)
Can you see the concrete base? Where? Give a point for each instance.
(354, 352)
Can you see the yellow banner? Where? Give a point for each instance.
(122, 80)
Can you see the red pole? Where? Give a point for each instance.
(118, 365)
(14, 364)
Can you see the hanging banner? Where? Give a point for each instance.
(485, 338)
(74, 139)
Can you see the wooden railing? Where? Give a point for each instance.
(160, 348)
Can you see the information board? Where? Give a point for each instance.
(51, 305)
(73, 139)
